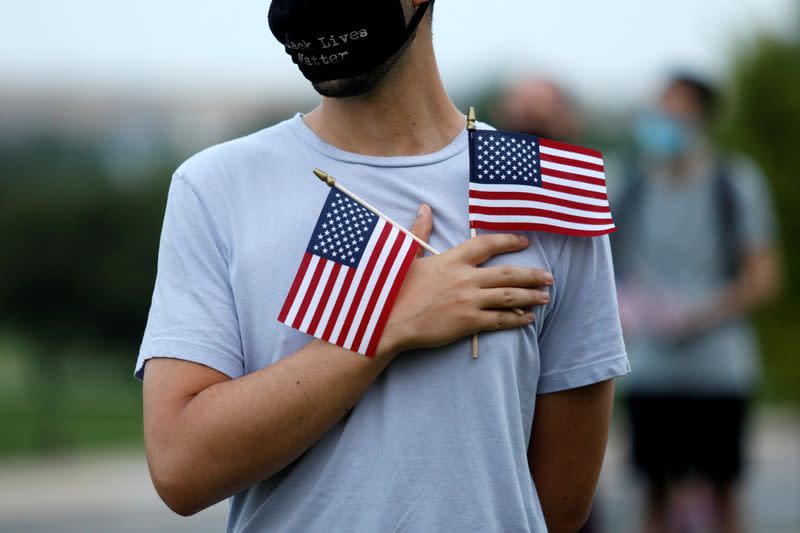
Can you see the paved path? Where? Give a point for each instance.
(771, 489)
(87, 494)
(113, 494)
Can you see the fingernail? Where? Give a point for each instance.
(523, 239)
(548, 279)
(529, 317)
(420, 211)
(546, 297)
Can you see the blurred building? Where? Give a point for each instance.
(132, 130)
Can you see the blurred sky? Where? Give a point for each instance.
(608, 52)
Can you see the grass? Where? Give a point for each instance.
(85, 398)
(777, 332)
(81, 399)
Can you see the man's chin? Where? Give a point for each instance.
(351, 87)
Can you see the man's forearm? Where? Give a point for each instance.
(756, 284)
(236, 433)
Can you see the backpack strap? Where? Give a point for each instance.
(728, 219)
(627, 210)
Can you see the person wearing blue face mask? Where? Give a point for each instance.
(663, 137)
(695, 253)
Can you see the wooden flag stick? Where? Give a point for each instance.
(330, 181)
(473, 232)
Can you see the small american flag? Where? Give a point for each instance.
(349, 276)
(524, 183)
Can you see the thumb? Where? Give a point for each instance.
(423, 225)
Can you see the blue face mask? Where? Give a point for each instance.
(662, 137)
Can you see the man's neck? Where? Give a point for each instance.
(697, 164)
(408, 113)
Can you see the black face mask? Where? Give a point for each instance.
(331, 40)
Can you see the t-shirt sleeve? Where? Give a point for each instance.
(192, 315)
(581, 339)
(755, 206)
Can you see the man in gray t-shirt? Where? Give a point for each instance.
(305, 436)
(695, 252)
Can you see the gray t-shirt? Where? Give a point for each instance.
(676, 260)
(439, 441)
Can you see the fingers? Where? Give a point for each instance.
(484, 247)
(510, 276)
(510, 298)
(423, 225)
(500, 320)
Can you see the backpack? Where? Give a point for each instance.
(627, 213)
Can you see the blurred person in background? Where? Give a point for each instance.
(539, 106)
(695, 253)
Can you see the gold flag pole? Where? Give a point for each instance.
(473, 232)
(471, 119)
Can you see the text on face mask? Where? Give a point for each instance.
(329, 41)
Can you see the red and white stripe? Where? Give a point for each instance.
(349, 306)
(572, 199)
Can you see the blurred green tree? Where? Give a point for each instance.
(77, 264)
(763, 121)
(78, 260)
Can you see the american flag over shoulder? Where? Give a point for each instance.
(521, 182)
(349, 276)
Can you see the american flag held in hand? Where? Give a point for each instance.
(349, 277)
(525, 183)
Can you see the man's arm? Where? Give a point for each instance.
(758, 279)
(757, 282)
(566, 452)
(208, 437)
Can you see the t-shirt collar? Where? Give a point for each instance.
(311, 139)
